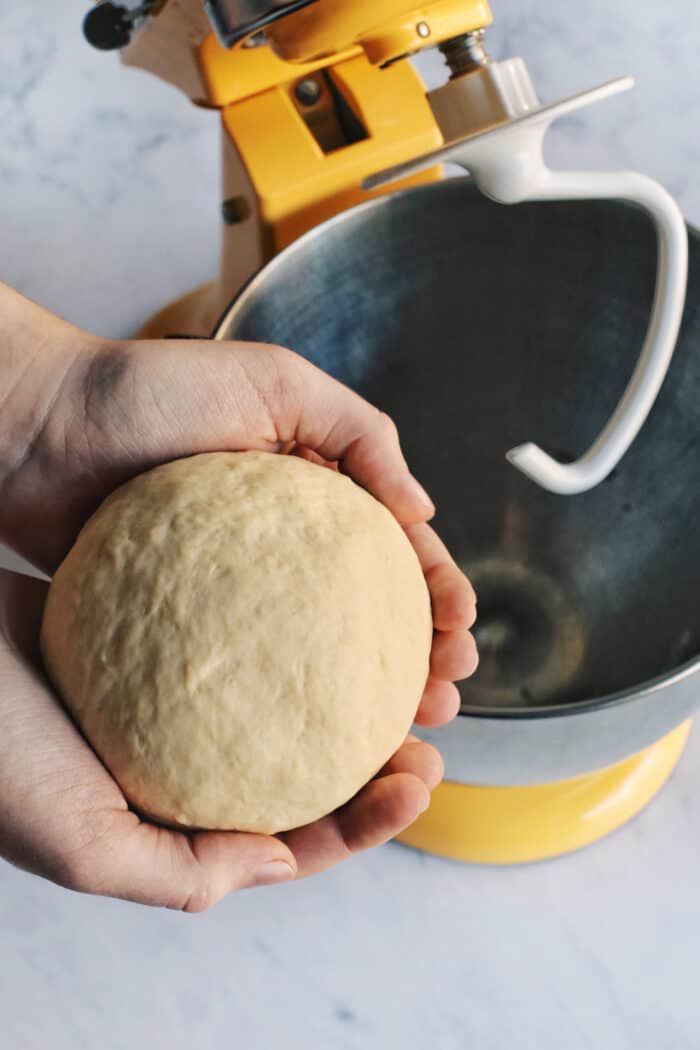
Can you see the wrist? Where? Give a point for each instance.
(36, 354)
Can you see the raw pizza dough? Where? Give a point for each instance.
(243, 638)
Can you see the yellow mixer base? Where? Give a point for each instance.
(514, 825)
(193, 314)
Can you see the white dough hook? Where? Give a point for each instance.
(507, 164)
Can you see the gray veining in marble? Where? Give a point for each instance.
(108, 208)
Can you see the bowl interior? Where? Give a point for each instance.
(477, 327)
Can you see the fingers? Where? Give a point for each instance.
(453, 656)
(378, 813)
(422, 760)
(311, 457)
(341, 426)
(139, 862)
(439, 703)
(374, 459)
(452, 595)
(382, 809)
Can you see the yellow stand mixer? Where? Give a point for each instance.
(321, 111)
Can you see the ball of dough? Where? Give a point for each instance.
(242, 637)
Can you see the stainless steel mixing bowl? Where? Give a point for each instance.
(479, 326)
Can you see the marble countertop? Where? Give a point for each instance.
(109, 208)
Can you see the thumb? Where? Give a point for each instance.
(140, 862)
(231, 861)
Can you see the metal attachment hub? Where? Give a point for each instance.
(465, 53)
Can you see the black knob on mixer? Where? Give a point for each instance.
(108, 26)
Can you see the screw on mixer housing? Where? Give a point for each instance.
(465, 53)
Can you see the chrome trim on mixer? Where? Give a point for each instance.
(234, 20)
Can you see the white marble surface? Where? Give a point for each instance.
(108, 208)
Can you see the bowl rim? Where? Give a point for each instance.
(578, 707)
(450, 184)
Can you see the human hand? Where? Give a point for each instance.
(121, 408)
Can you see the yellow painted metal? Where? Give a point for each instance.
(234, 75)
(296, 183)
(385, 30)
(514, 825)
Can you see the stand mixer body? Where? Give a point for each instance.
(310, 114)
(326, 102)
